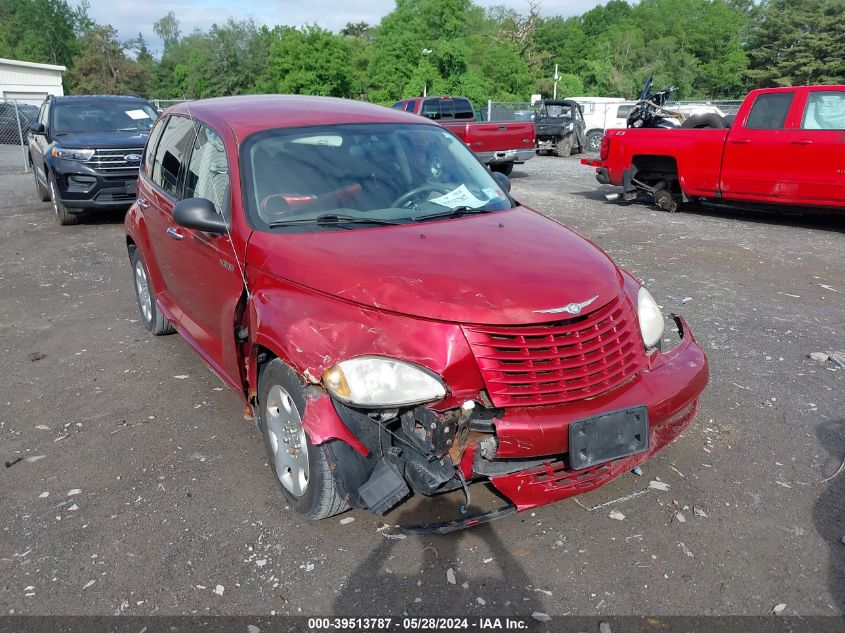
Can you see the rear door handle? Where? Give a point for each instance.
(142, 202)
(174, 233)
(801, 141)
(741, 141)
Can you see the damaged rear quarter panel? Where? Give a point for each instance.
(312, 331)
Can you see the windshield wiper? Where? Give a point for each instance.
(451, 213)
(332, 218)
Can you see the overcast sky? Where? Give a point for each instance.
(130, 17)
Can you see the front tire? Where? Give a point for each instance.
(300, 468)
(502, 168)
(152, 317)
(63, 216)
(42, 191)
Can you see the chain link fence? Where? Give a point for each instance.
(15, 120)
(523, 110)
(163, 104)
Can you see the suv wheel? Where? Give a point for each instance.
(594, 141)
(301, 469)
(42, 191)
(63, 216)
(152, 317)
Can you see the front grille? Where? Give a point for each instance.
(107, 160)
(563, 361)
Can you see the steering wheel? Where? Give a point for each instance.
(430, 187)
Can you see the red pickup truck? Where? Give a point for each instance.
(499, 144)
(785, 147)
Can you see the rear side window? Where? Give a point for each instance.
(409, 107)
(825, 110)
(431, 108)
(769, 111)
(207, 175)
(463, 109)
(150, 149)
(170, 154)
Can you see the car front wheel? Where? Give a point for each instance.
(152, 317)
(301, 469)
(63, 216)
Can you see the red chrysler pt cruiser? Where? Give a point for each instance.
(395, 320)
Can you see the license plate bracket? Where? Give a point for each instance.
(608, 436)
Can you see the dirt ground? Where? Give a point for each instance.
(144, 491)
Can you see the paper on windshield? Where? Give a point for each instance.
(137, 115)
(460, 197)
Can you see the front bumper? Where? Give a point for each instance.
(506, 156)
(670, 388)
(81, 187)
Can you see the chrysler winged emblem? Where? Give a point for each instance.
(572, 308)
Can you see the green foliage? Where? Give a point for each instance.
(102, 67)
(706, 48)
(798, 42)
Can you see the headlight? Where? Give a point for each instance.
(651, 319)
(71, 154)
(373, 381)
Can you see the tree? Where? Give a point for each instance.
(167, 28)
(102, 66)
(797, 42)
(41, 31)
(310, 61)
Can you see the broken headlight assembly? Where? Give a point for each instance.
(375, 381)
(651, 319)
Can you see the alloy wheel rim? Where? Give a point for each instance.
(145, 300)
(287, 441)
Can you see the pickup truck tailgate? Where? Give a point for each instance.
(495, 136)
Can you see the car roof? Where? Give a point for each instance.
(247, 114)
(98, 98)
(566, 102)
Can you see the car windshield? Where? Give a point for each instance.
(556, 111)
(361, 175)
(77, 117)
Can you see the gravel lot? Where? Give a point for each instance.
(159, 491)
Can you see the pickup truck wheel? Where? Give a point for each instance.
(63, 216)
(42, 191)
(705, 121)
(301, 469)
(564, 148)
(502, 168)
(594, 141)
(152, 317)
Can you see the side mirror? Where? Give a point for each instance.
(199, 214)
(38, 129)
(503, 181)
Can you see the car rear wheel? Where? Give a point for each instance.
(42, 191)
(502, 168)
(594, 141)
(301, 469)
(563, 148)
(152, 317)
(63, 216)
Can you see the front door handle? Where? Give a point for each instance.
(174, 233)
(801, 141)
(741, 141)
(142, 202)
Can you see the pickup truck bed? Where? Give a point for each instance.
(786, 148)
(497, 144)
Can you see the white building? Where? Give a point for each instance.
(29, 82)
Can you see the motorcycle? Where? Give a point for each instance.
(650, 111)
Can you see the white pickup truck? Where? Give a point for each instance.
(610, 113)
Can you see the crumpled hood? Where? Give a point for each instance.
(498, 268)
(103, 140)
